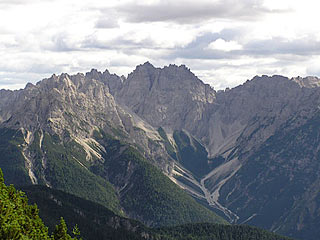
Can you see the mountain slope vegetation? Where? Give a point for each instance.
(97, 222)
(140, 182)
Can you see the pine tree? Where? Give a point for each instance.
(61, 231)
(18, 220)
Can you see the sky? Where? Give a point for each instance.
(224, 42)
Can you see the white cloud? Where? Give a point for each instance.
(223, 45)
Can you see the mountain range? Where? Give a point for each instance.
(162, 147)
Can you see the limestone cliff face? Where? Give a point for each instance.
(174, 98)
(257, 109)
(73, 107)
(8, 102)
(308, 82)
(171, 97)
(56, 102)
(65, 102)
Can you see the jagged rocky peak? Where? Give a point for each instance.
(268, 81)
(260, 91)
(169, 96)
(30, 86)
(55, 81)
(308, 82)
(147, 64)
(5, 93)
(94, 74)
(65, 82)
(277, 81)
(113, 81)
(166, 77)
(171, 75)
(266, 101)
(265, 95)
(54, 102)
(147, 78)
(144, 75)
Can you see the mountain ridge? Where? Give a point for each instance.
(204, 140)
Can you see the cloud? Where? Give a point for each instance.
(227, 46)
(308, 45)
(232, 44)
(206, 46)
(122, 43)
(193, 11)
(107, 20)
(15, 80)
(13, 3)
(62, 42)
(314, 69)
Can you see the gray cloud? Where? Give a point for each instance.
(278, 47)
(195, 50)
(108, 19)
(191, 12)
(16, 76)
(35, 66)
(106, 22)
(122, 43)
(60, 42)
(12, 3)
(16, 80)
(48, 68)
(198, 49)
(303, 46)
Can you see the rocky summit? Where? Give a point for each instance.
(248, 154)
